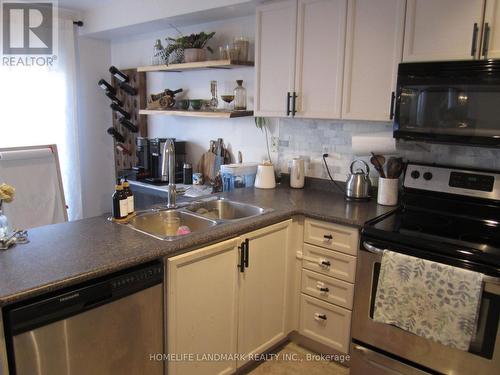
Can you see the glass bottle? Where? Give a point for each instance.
(240, 96)
(214, 102)
(157, 57)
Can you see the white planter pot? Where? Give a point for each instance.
(194, 55)
(388, 189)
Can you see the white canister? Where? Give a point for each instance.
(265, 177)
(297, 171)
(388, 189)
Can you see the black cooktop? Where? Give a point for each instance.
(459, 238)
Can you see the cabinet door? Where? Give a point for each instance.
(490, 44)
(274, 57)
(320, 57)
(202, 307)
(442, 30)
(374, 47)
(263, 290)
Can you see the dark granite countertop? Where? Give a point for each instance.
(64, 254)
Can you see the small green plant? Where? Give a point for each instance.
(263, 124)
(176, 46)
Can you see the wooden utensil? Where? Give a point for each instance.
(378, 162)
(394, 167)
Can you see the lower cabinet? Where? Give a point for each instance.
(215, 307)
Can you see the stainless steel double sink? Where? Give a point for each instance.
(194, 217)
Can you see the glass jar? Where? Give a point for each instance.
(4, 223)
(241, 45)
(240, 96)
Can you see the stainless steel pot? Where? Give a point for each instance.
(358, 185)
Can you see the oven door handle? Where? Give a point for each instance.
(372, 249)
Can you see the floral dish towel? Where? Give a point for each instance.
(432, 300)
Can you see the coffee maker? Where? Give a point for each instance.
(156, 146)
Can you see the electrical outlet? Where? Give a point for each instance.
(274, 144)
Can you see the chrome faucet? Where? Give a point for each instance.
(168, 166)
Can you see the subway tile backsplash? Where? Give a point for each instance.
(312, 138)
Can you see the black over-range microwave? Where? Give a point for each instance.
(449, 102)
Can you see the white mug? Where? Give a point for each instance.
(297, 173)
(388, 191)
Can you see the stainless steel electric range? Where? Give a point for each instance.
(447, 215)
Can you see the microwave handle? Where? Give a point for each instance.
(473, 48)
(391, 111)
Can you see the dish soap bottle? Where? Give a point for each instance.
(240, 96)
(129, 195)
(120, 202)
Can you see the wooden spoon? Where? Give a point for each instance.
(378, 162)
(394, 167)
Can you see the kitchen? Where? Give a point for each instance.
(263, 187)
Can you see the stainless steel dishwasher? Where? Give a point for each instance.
(112, 325)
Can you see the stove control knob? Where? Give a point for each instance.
(427, 176)
(415, 174)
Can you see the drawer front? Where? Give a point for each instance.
(325, 323)
(328, 289)
(328, 262)
(331, 236)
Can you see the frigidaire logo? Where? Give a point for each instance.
(28, 33)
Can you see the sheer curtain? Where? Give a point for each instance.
(38, 106)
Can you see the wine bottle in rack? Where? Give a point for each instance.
(120, 110)
(128, 89)
(113, 98)
(116, 135)
(127, 124)
(103, 84)
(118, 74)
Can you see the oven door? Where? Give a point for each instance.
(414, 351)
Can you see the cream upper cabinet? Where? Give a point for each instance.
(263, 290)
(202, 308)
(274, 57)
(374, 47)
(320, 58)
(442, 30)
(490, 44)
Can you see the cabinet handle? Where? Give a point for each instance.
(324, 290)
(473, 48)
(241, 265)
(247, 247)
(320, 317)
(486, 39)
(325, 263)
(391, 111)
(294, 97)
(288, 96)
(328, 237)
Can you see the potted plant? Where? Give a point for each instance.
(189, 48)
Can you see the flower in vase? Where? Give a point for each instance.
(7, 193)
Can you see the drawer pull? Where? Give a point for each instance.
(324, 290)
(320, 285)
(320, 317)
(328, 237)
(324, 263)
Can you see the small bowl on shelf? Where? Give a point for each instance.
(183, 104)
(196, 104)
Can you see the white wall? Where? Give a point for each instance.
(239, 134)
(94, 117)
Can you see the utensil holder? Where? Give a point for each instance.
(388, 189)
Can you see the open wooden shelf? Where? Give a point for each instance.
(201, 65)
(187, 113)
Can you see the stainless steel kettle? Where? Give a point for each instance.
(358, 184)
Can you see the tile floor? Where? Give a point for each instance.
(298, 365)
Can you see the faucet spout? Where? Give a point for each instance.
(168, 171)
